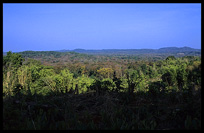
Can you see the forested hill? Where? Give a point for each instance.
(154, 54)
(170, 50)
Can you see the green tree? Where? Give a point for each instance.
(66, 79)
(182, 76)
(133, 78)
(24, 77)
(12, 61)
(117, 82)
(194, 74)
(83, 83)
(108, 84)
(105, 72)
(144, 69)
(169, 77)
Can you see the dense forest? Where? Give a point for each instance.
(70, 90)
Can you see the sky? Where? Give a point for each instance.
(58, 26)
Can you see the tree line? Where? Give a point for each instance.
(171, 73)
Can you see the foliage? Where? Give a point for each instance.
(134, 78)
(105, 72)
(84, 83)
(115, 94)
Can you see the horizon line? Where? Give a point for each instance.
(106, 49)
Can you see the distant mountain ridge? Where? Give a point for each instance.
(176, 49)
(136, 51)
(165, 50)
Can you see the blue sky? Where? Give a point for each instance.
(45, 27)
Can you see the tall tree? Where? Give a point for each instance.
(134, 78)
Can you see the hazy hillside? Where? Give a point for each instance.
(134, 54)
(170, 50)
